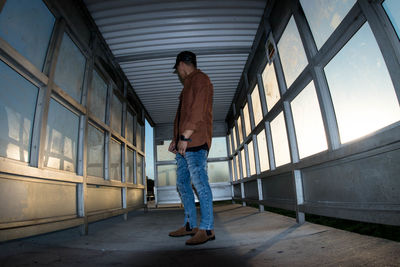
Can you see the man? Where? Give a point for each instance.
(191, 143)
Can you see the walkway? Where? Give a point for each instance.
(244, 237)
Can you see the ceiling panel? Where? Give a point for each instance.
(145, 36)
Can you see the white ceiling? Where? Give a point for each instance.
(146, 35)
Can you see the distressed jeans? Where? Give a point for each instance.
(192, 168)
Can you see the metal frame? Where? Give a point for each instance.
(34, 171)
(378, 145)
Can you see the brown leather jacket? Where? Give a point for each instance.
(196, 102)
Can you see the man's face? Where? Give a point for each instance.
(180, 70)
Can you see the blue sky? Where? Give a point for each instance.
(149, 151)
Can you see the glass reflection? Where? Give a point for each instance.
(61, 138)
(139, 134)
(95, 152)
(271, 87)
(244, 168)
(236, 168)
(130, 122)
(263, 151)
(218, 148)
(280, 140)
(240, 129)
(218, 171)
(324, 16)
(162, 152)
(17, 110)
(291, 51)
(27, 26)
(98, 97)
(308, 123)
(234, 139)
(115, 160)
(247, 119)
(116, 114)
(392, 8)
(139, 169)
(257, 110)
(70, 68)
(166, 175)
(230, 144)
(129, 166)
(362, 91)
(252, 162)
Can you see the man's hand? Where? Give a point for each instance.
(172, 147)
(182, 145)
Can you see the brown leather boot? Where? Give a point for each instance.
(184, 230)
(202, 236)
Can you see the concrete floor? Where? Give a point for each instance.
(244, 237)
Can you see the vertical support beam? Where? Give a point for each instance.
(135, 153)
(107, 133)
(82, 146)
(258, 171)
(42, 106)
(300, 217)
(327, 109)
(155, 166)
(124, 153)
(124, 202)
(270, 146)
(294, 153)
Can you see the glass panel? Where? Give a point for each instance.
(240, 130)
(234, 138)
(291, 51)
(247, 119)
(218, 172)
(95, 152)
(98, 97)
(324, 16)
(263, 151)
(130, 122)
(230, 143)
(308, 123)
(232, 166)
(244, 168)
(70, 68)
(61, 138)
(218, 148)
(27, 26)
(17, 110)
(116, 114)
(115, 160)
(257, 110)
(252, 162)
(237, 168)
(139, 134)
(129, 166)
(362, 92)
(271, 87)
(139, 169)
(163, 153)
(149, 149)
(280, 140)
(392, 8)
(166, 175)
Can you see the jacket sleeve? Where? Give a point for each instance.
(199, 102)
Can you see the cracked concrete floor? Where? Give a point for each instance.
(244, 237)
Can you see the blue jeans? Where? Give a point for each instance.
(192, 168)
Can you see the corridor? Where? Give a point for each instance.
(244, 237)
